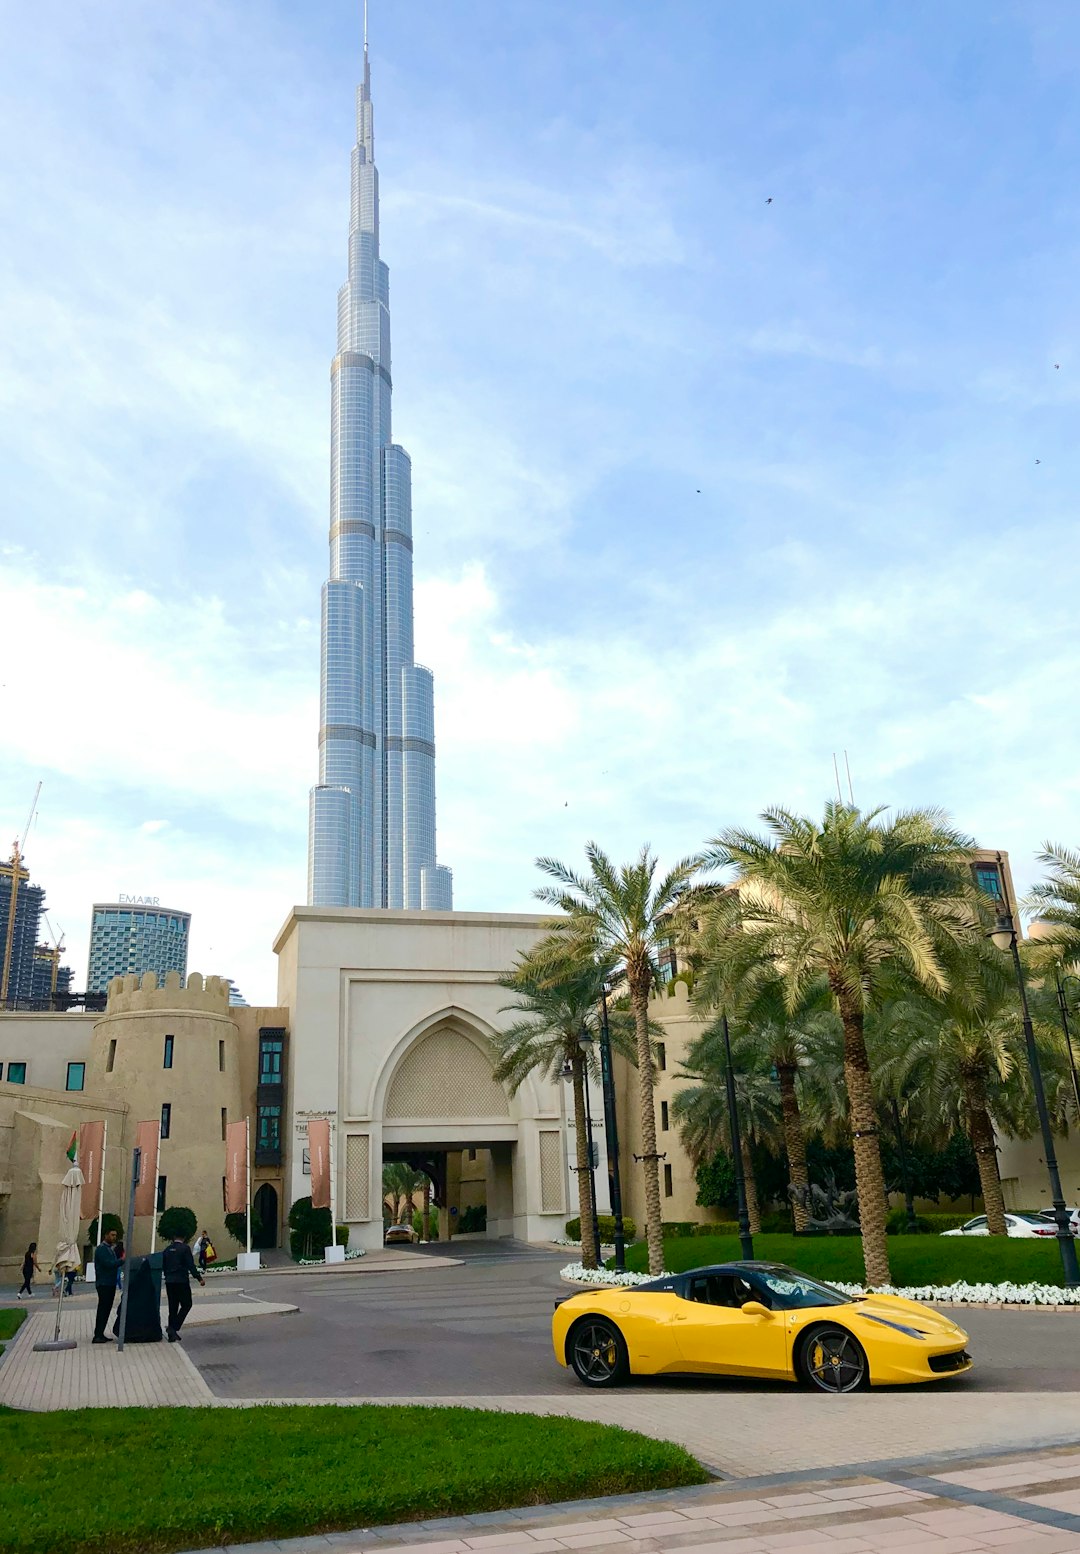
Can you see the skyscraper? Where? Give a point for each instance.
(18, 927)
(136, 935)
(371, 836)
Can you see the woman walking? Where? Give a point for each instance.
(30, 1267)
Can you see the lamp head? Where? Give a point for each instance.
(1003, 933)
(585, 1040)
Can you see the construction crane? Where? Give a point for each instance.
(54, 953)
(18, 873)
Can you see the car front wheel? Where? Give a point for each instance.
(598, 1353)
(832, 1360)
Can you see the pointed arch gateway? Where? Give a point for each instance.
(443, 1111)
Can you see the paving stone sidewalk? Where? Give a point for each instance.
(1016, 1504)
(97, 1376)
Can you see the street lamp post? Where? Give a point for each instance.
(1004, 936)
(746, 1241)
(1063, 1006)
(909, 1197)
(611, 1132)
(585, 1047)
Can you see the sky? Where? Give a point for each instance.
(735, 351)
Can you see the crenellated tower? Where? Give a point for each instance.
(371, 839)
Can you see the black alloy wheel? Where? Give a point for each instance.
(598, 1353)
(832, 1360)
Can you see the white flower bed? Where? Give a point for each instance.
(351, 1254)
(960, 1294)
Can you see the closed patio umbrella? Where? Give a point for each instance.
(67, 1250)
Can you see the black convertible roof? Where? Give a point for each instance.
(666, 1281)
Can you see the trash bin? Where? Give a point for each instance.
(142, 1275)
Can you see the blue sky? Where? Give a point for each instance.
(705, 488)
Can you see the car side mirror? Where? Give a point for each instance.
(754, 1308)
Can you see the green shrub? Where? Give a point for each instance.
(720, 1227)
(678, 1227)
(781, 1223)
(177, 1221)
(897, 1225)
(110, 1222)
(309, 1231)
(433, 1220)
(236, 1225)
(472, 1218)
(607, 1228)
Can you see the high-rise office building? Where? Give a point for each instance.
(136, 936)
(21, 930)
(371, 840)
(49, 980)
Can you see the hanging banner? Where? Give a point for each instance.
(236, 1168)
(147, 1139)
(318, 1137)
(92, 1166)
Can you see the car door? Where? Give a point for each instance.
(977, 1227)
(716, 1337)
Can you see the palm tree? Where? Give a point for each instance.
(556, 1000)
(962, 1052)
(1057, 900)
(401, 1183)
(701, 1113)
(621, 917)
(850, 899)
(789, 1041)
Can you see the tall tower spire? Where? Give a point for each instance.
(371, 838)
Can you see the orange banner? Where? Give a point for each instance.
(318, 1139)
(91, 1164)
(148, 1140)
(236, 1146)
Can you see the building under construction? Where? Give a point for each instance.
(28, 971)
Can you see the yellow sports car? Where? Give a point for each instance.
(754, 1319)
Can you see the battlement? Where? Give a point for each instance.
(130, 993)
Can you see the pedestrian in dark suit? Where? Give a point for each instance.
(177, 1267)
(105, 1271)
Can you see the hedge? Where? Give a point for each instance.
(607, 1229)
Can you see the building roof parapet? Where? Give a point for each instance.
(131, 993)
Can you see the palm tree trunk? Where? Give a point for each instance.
(753, 1208)
(981, 1134)
(639, 999)
(869, 1177)
(590, 1252)
(426, 1222)
(794, 1140)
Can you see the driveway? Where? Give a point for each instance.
(483, 1329)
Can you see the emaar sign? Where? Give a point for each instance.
(139, 900)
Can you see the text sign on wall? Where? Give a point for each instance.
(139, 900)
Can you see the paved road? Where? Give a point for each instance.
(484, 1328)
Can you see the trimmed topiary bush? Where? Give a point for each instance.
(473, 1218)
(109, 1222)
(177, 1221)
(309, 1231)
(236, 1225)
(607, 1228)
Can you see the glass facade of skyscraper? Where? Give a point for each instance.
(372, 817)
(128, 937)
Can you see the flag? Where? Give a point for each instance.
(73, 1149)
(147, 1138)
(92, 1163)
(318, 1137)
(236, 1149)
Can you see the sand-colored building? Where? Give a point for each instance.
(177, 1055)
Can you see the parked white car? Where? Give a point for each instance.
(1074, 1219)
(1018, 1225)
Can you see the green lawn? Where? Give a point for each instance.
(134, 1481)
(914, 1259)
(11, 1319)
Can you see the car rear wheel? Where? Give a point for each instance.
(598, 1353)
(832, 1360)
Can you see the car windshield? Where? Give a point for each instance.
(1029, 1219)
(787, 1290)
